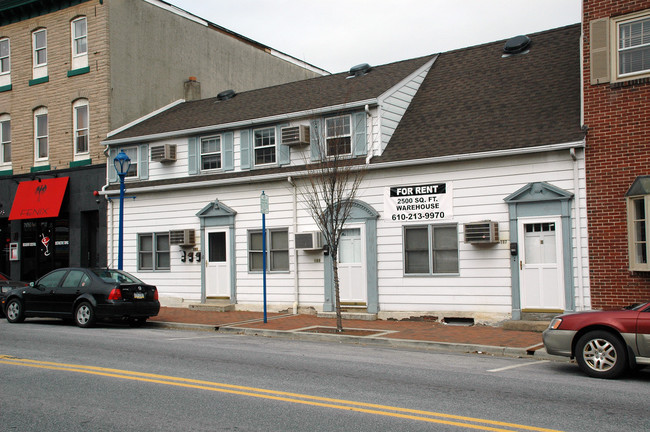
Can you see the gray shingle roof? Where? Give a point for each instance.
(473, 100)
(277, 100)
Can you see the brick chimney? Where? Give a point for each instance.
(192, 89)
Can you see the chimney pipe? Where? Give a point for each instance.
(192, 89)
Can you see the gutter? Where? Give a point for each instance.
(375, 166)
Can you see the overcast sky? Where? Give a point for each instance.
(336, 35)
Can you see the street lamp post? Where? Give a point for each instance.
(122, 164)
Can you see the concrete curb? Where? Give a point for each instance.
(377, 341)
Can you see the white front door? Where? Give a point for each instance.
(540, 264)
(217, 263)
(352, 266)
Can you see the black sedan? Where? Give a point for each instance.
(6, 285)
(84, 295)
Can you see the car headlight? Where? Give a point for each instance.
(555, 324)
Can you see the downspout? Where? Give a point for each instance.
(296, 277)
(576, 189)
(371, 151)
(109, 257)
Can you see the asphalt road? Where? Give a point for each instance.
(58, 377)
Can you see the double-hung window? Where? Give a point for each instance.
(153, 251)
(39, 46)
(41, 134)
(430, 249)
(79, 32)
(80, 123)
(265, 150)
(210, 153)
(5, 139)
(277, 246)
(634, 46)
(132, 153)
(5, 65)
(338, 136)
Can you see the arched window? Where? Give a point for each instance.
(81, 122)
(79, 42)
(5, 139)
(41, 134)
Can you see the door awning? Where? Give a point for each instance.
(38, 199)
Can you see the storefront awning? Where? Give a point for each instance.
(38, 199)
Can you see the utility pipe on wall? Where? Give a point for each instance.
(576, 189)
(296, 277)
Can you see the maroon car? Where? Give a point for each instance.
(604, 343)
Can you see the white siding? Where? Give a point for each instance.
(394, 104)
(479, 187)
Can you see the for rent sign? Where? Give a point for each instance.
(421, 202)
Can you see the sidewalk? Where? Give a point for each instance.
(389, 333)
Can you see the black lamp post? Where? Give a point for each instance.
(122, 164)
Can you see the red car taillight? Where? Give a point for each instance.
(155, 294)
(116, 294)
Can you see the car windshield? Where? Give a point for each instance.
(120, 276)
(636, 306)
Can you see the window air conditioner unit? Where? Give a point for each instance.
(309, 241)
(163, 153)
(484, 232)
(184, 237)
(295, 135)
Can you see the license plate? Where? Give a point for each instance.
(138, 295)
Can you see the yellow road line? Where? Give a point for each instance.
(364, 407)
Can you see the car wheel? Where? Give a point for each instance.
(84, 315)
(600, 354)
(137, 322)
(15, 312)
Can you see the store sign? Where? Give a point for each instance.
(38, 198)
(418, 203)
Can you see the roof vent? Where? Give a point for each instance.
(225, 95)
(517, 45)
(359, 70)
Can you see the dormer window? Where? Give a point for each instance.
(264, 141)
(210, 153)
(338, 136)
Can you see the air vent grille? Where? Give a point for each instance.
(482, 232)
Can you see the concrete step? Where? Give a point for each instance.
(360, 315)
(213, 306)
(526, 325)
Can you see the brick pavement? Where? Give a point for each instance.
(391, 329)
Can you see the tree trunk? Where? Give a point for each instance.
(337, 294)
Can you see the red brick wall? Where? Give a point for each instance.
(618, 150)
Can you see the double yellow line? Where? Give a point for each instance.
(368, 408)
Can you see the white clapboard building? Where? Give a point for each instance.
(472, 206)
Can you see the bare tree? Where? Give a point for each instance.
(329, 191)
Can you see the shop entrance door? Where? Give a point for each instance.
(45, 247)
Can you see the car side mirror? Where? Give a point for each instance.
(32, 284)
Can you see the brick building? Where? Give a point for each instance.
(70, 72)
(616, 79)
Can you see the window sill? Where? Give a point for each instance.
(6, 172)
(5, 88)
(80, 163)
(80, 71)
(37, 81)
(39, 168)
